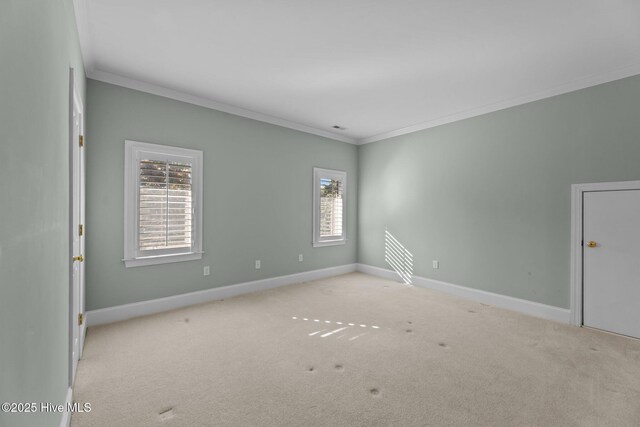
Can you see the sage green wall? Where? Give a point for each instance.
(489, 197)
(38, 44)
(257, 196)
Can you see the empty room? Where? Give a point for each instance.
(319, 213)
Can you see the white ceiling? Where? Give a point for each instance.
(376, 67)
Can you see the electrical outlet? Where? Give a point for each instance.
(436, 264)
(257, 264)
(207, 270)
(300, 257)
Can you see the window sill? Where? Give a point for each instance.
(329, 243)
(162, 259)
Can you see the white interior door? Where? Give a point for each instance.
(77, 233)
(611, 261)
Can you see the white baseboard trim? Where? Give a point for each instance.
(66, 415)
(380, 272)
(127, 311)
(531, 308)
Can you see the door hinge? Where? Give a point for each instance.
(80, 319)
(81, 140)
(80, 230)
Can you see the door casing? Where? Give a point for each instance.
(577, 211)
(76, 216)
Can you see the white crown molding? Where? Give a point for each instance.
(582, 83)
(81, 8)
(82, 19)
(531, 308)
(143, 308)
(209, 103)
(127, 82)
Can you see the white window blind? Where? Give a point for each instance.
(163, 199)
(331, 193)
(329, 202)
(165, 211)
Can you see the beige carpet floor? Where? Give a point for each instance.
(355, 350)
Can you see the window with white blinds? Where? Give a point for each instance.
(329, 201)
(163, 195)
(165, 208)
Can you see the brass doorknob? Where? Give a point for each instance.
(78, 258)
(592, 244)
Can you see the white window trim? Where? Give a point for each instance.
(132, 148)
(319, 173)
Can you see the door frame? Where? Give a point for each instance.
(75, 102)
(577, 211)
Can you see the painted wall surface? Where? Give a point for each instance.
(38, 44)
(489, 197)
(257, 196)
